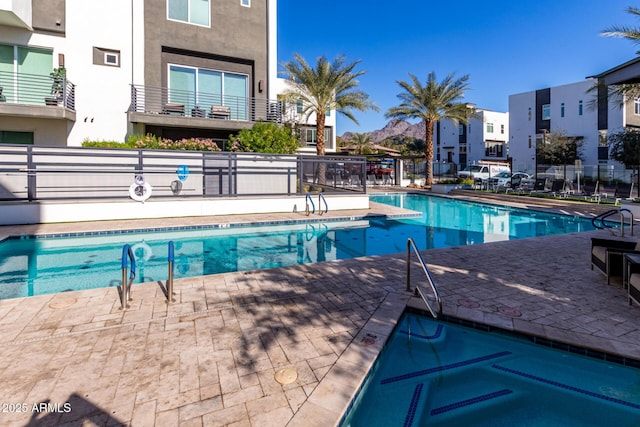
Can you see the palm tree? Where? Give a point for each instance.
(362, 141)
(326, 87)
(431, 103)
(626, 32)
(623, 91)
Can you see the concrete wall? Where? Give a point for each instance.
(36, 213)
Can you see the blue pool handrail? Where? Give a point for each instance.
(313, 207)
(320, 200)
(128, 263)
(171, 261)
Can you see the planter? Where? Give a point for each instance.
(443, 188)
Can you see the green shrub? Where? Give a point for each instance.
(265, 137)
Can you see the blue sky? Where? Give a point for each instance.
(505, 46)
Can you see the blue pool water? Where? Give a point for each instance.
(434, 373)
(50, 264)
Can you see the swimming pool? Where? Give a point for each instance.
(57, 263)
(442, 374)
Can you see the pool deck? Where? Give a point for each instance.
(214, 357)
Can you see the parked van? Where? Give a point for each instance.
(482, 171)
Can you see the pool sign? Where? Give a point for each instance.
(183, 172)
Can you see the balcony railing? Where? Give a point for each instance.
(33, 89)
(155, 100)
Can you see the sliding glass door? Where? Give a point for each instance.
(199, 89)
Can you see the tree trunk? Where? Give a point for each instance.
(320, 146)
(428, 152)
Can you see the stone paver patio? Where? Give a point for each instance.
(212, 357)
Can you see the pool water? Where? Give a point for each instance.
(434, 373)
(50, 264)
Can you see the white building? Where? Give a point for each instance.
(485, 137)
(571, 109)
(307, 125)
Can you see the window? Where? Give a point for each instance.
(636, 106)
(529, 141)
(10, 137)
(203, 88)
(502, 129)
(108, 57)
(562, 110)
(24, 60)
(529, 113)
(546, 112)
(489, 127)
(191, 11)
(310, 136)
(580, 108)
(245, 3)
(111, 59)
(460, 129)
(299, 106)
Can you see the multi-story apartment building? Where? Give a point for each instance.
(574, 110)
(174, 68)
(485, 137)
(306, 125)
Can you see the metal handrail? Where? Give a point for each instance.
(320, 200)
(171, 263)
(611, 212)
(313, 206)
(125, 290)
(418, 290)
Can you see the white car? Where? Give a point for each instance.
(507, 179)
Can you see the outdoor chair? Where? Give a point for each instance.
(540, 186)
(220, 112)
(622, 192)
(607, 255)
(590, 191)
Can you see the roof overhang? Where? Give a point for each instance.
(626, 73)
(16, 14)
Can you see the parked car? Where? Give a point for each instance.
(507, 179)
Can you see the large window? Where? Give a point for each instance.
(203, 88)
(190, 11)
(489, 127)
(636, 106)
(19, 66)
(546, 112)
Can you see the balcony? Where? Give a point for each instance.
(167, 107)
(16, 13)
(36, 96)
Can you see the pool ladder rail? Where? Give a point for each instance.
(129, 259)
(599, 221)
(311, 207)
(419, 289)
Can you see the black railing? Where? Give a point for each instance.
(32, 89)
(156, 100)
(36, 173)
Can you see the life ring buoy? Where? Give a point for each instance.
(147, 252)
(140, 192)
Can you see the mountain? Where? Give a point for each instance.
(393, 128)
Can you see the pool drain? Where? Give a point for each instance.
(62, 302)
(286, 376)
